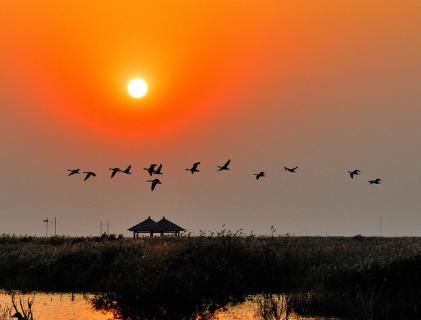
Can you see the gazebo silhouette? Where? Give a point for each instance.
(162, 227)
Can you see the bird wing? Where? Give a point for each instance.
(154, 183)
(113, 173)
(128, 169)
(227, 163)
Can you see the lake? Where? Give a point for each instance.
(66, 306)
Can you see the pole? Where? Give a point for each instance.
(55, 226)
(381, 226)
(100, 228)
(46, 225)
(108, 227)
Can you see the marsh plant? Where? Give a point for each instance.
(20, 309)
(5, 312)
(273, 307)
(358, 278)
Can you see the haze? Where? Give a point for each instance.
(328, 86)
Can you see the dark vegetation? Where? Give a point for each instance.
(355, 278)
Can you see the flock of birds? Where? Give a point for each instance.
(154, 169)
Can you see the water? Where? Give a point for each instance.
(66, 306)
(60, 306)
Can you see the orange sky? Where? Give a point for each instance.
(74, 58)
(321, 83)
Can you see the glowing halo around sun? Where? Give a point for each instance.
(137, 88)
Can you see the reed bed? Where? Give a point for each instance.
(358, 277)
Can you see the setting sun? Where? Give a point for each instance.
(137, 88)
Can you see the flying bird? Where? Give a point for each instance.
(114, 171)
(194, 169)
(158, 171)
(151, 169)
(73, 171)
(375, 181)
(154, 182)
(292, 170)
(127, 170)
(259, 175)
(353, 173)
(89, 174)
(225, 166)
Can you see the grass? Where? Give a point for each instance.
(355, 278)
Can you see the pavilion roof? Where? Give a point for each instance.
(168, 226)
(147, 225)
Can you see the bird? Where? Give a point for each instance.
(292, 170)
(259, 175)
(225, 166)
(114, 171)
(89, 174)
(158, 171)
(154, 183)
(353, 173)
(73, 171)
(194, 169)
(151, 169)
(375, 181)
(127, 170)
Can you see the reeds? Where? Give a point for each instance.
(362, 278)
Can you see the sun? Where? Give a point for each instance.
(137, 88)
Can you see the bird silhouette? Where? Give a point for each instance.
(154, 182)
(73, 171)
(151, 169)
(114, 171)
(375, 181)
(158, 171)
(292, 170)
(259, 175)
(353, 173)
(225, 166)
(89, 174)
(194, 169)
(127, 170)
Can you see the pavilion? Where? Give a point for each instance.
(162, 227)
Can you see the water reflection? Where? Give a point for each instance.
(59, 306)
(65, 306)
(256, 307)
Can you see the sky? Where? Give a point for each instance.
(328, 86)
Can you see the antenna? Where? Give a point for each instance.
(100, 228)
(108, 227)
(46, 224)
(55, 226)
